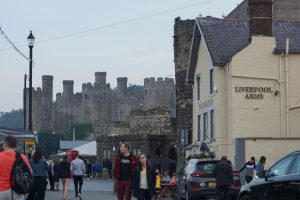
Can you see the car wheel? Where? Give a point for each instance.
(246, 197)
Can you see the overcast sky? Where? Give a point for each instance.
(131, 38)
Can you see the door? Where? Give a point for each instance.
(290, 187)
(272, 188)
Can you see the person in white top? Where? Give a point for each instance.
(143, 180)
(77, 169)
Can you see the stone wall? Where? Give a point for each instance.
(285, 10)
(156, 121)
(108, 146)
(159, 92)
(183, 32)
(97, 103)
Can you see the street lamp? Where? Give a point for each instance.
(30, 40)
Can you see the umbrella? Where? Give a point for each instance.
(162, 161)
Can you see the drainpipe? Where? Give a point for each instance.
(281, 96)
(287, 87)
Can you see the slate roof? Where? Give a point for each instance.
(20, 134)
(225, 38)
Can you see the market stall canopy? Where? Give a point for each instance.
(88, 149)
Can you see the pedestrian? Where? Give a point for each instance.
(105, 173)
(88, 169)
(125, 164)
(157, 181)
(7, 159)
(77, 168)
(56, 175)
(50, 174)
(143, 179)
(64, 174)
(260, 167)
(166, 178)
(249, 169)
(109, 167)
(224, 178)
(40, 173)
(173, 180)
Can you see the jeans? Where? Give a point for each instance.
(78, 179)
(6, 195)
(223, 192)
(124, 190)
(39, 188)
(144, 194)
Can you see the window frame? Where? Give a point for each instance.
(211, 81)
(198, 87)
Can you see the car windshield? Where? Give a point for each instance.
(206, 166)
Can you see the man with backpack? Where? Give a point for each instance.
(10, 168)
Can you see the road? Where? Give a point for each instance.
(93, 189)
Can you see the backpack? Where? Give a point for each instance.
(21, 178)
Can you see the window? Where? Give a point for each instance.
(184, 137)
(205, 126)
(212, 124)
(211, 81)
(296, 166)
(199, 128)
(198, 87)
(281, 168)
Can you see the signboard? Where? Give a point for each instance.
(29, 142)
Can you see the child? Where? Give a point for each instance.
(157, 182)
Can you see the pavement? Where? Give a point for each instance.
(93, 189)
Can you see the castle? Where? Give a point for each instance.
(97, 103)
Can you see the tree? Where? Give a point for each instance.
(49, 142)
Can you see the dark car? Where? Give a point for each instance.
(280, 182)
(196, 181)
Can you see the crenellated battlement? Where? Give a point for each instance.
(160, 82)
(97, 103)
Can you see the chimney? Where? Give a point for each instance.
(261, 17)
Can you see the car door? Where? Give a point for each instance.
(290, 186)
(271, 188)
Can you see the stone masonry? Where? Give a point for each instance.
(97, 103)
(183, 32)
(283, 10)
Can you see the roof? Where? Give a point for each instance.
(20, 134)
(87, 149)
(65, 145)
(225, 38)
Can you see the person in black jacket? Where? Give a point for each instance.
(224, 178)
(64, 174)
(143, 179)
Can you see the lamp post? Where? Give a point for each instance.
(30, 40)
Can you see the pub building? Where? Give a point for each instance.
(246, 85)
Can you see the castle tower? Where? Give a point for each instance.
(67, 89)
(47, 87)
(121, 87)
(100, 79)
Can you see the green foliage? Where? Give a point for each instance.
(82, 130)
(49, 142)
(13, 119)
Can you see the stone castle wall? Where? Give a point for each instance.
(97, 103)
(183, 33)
(159, 92)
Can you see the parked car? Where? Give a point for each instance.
(280, 182)
(196, 181)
